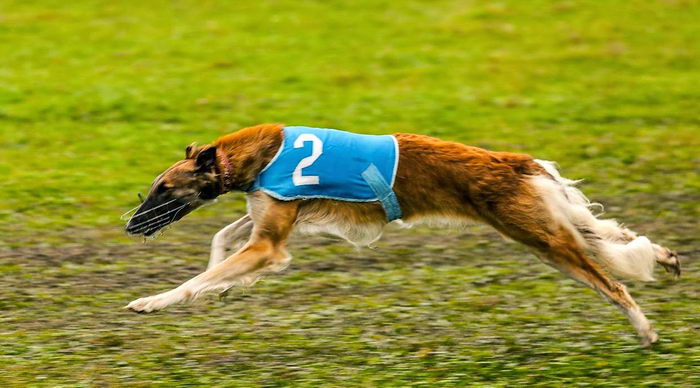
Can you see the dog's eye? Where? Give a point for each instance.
(162, 188)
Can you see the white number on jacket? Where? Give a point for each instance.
(316, 150)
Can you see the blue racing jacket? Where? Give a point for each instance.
(327, 163)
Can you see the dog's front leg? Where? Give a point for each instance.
(227, 238)
(264, 252)
(252, 259)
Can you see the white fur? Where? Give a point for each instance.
(435, 221)
(634, 260)
(642, 325)
(230, 237)
(319, 222)
(357, 234)
(607, 241)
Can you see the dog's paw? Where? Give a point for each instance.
(144, 305)
(152, 303)
(650, 338)
(669, 260)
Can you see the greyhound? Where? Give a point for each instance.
(321, 180)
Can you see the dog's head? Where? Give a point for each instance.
(185, 186)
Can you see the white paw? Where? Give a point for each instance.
(153, 303)
(650, 338)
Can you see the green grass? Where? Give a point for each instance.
(96, 98)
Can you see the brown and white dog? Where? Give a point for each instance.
(523, 198)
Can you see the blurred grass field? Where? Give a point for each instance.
(96, 98)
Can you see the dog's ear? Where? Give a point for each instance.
(206, 159)
(190, 150)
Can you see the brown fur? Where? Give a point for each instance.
(435, 178)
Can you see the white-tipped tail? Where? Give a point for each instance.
(619, 250)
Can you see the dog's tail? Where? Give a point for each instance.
(619, 250)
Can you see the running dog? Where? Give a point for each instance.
(322, 180)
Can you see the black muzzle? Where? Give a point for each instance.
(154, 215)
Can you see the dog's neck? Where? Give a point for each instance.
(243, 154)
(225, 171)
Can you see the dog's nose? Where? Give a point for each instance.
(146, 224)
(130, 228)
(135, 225)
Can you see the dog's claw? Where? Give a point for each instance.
(669, 260)
(223, 294)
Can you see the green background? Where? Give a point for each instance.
(96, 98)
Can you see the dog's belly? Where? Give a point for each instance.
(356, 234)
(360, 223)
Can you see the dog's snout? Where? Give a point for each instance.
(154, 215)
(140, 221)
(130, 229)
(132, 226)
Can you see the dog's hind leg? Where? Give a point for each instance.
(527, 217)
(611, 241)
(566, 256)
(230, 238)
(557, 246)
(620, 250)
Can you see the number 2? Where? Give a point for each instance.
(316, 150)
